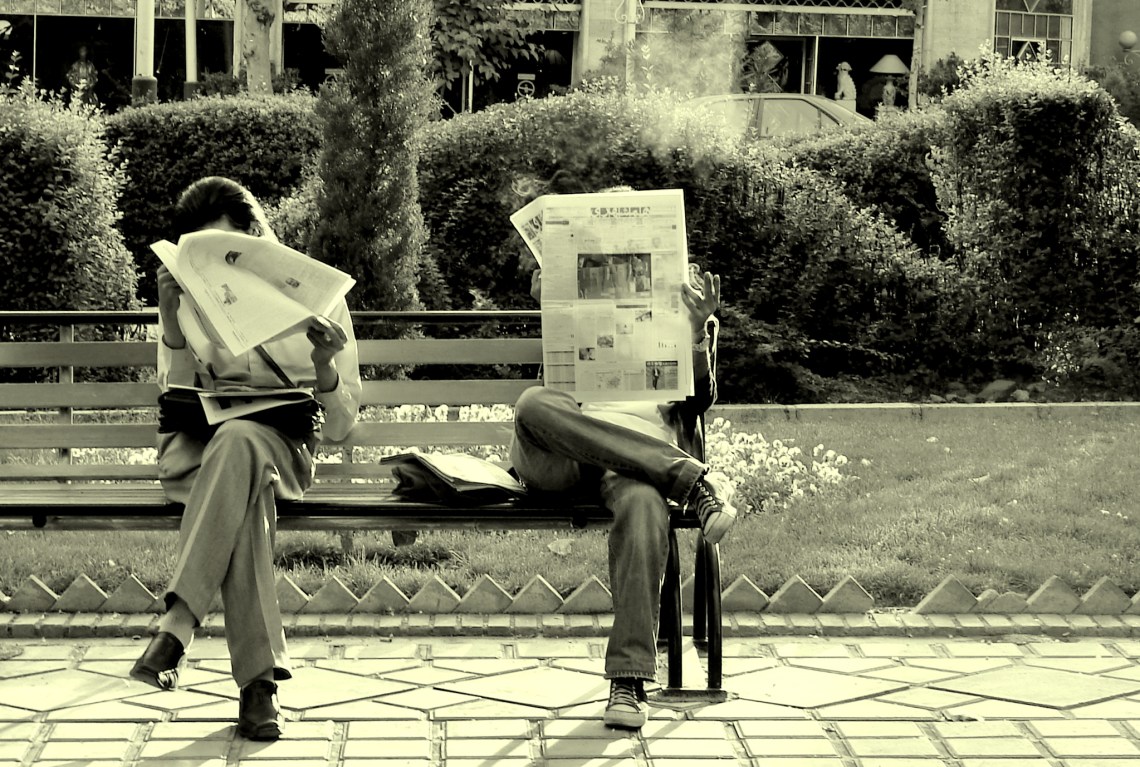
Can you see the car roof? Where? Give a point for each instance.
(828, 105)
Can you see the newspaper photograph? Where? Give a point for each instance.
(613, 323)
(247, 290)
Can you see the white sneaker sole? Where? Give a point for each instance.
(717, 525)
(625, 720)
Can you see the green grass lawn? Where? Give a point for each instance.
(1001, 500)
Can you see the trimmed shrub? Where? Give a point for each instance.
(369, 222)
(261, 142)
(59, 248)
(1036, 172)
(885, 166)
(813, 285)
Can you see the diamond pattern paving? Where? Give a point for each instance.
(311, 687)
(543, 687)
(807, 688)
(57, 689)
(1041, 686)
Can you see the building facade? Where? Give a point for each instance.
(697, 45)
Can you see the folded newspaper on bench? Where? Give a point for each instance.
(247, 290)
(452, 478)
(222, 406)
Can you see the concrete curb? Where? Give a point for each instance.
(551, 625)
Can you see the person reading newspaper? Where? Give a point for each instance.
(640, 457)
(228, 480)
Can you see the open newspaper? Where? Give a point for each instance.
(614, 326)
(248, 290)
(452, 477)
(220, 406)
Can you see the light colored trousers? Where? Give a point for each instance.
(226, 537)
(558, 448)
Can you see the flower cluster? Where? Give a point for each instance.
(770, 475)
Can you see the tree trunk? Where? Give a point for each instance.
(256, 21)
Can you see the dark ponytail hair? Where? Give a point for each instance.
(211, 198)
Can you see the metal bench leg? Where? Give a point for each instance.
(700, 600)
(715, 627)
(671, 611)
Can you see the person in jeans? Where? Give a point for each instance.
(228, 482)
(640, 456)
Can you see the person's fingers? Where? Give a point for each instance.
(326, 334)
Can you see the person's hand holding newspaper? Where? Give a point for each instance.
(248, 290)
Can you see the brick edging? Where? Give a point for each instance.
(554, 625)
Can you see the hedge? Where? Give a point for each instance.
(262, 142)
(813, 284)
(886, 165)
(1037, 174)
(59, 248)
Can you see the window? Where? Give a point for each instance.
(735, 114)
(781, 117)
(1027, 29)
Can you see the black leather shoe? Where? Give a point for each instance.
(158, 665)
(259, 716)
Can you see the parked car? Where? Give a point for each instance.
(778, 114)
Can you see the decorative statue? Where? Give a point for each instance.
(845, 89)
(890, 93)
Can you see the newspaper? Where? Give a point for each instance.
(452, 475)
(248, 290)
(614, 326)
(220, 406)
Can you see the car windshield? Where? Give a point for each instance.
(734, 114)
(776, 114)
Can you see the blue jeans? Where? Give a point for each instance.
(557, 448)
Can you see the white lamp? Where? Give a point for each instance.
(890, 65)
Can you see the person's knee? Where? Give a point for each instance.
(531, 402)
(233, 438)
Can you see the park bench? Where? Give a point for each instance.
(43, 486)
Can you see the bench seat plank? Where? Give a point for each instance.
(421, 351)
(341, 506)
(100, 396)
(391, 434)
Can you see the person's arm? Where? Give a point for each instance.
(702, 304)
(175, 360)
(337, 364)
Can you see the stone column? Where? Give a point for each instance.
(144, 86)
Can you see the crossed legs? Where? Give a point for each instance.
(226, 537)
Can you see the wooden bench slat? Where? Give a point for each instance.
(115, 435)
(431, 433)
(436, 392)
(80, 396)
(101, 396)
(420, 351)
(149, 471)
(77, 435)
(99, 354)
(77, 471)
(463, 351)
(329, 506)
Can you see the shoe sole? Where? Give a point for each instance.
(717, 526)
(148, 677)
(624, 721)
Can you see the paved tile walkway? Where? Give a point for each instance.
(1003, 701)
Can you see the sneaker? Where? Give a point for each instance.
(711, 501)
(626, 708)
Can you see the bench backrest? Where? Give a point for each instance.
(90, 430)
